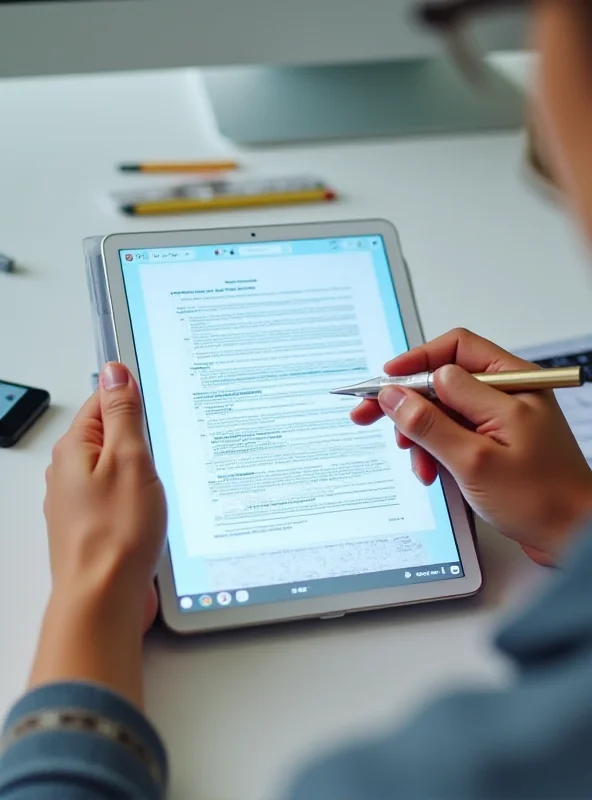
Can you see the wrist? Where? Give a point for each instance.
(565, 521)
(101, 589)
(111, 608)
(87, 636)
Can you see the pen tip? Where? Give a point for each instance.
(130, 167)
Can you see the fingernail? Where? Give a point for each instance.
(114, 376)
(392, 399)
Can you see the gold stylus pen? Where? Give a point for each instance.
(523, 380)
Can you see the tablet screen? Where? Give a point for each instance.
(273, 493)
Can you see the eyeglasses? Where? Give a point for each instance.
(451, 18)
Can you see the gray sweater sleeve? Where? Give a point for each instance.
(532, 741)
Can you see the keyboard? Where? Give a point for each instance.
(576, 404)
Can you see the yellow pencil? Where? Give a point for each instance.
(180, 166)
(228, 201)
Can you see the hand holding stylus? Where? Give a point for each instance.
(513, 456)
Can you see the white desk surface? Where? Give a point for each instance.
(486, 251)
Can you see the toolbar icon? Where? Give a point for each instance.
(224, 598)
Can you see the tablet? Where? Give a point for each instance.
(280, 508)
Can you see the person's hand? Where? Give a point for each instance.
(106, 520)
(513, 456)
(105, 506)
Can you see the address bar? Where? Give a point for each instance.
(264, 249)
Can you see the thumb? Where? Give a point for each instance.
(121, 408)
(427, 425)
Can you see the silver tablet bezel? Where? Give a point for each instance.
(334, 605)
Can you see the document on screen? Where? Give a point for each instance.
(264, 458)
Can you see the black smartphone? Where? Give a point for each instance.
(20, 406)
